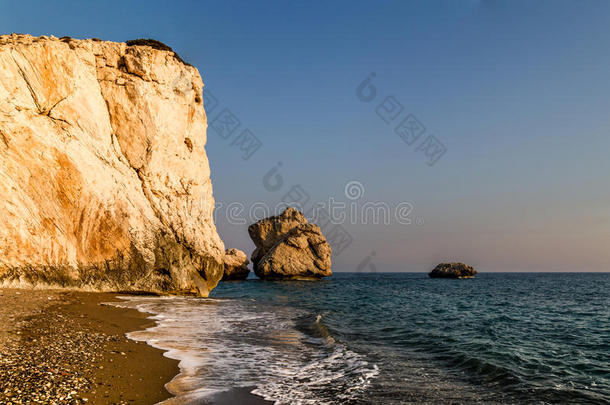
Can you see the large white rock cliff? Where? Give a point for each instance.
(104, 178)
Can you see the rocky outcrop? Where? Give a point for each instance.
(303, 253)
(452, 270)
(235, 265)
(104, 177)
(287, 247)
(267, 232)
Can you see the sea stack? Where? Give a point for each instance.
(453, 270)
(235, 265)
(288, 247)
(105, 179)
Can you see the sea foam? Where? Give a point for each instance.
(223, 344)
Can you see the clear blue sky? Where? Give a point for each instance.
(518, 92)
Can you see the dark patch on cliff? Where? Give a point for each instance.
(153, 43)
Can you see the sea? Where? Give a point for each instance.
(391, 338)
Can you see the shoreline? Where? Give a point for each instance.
(64, 346)
(60, 346)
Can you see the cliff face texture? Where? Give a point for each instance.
(104, 178)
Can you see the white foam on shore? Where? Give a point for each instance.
(224, 344)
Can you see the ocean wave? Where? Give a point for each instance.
(341, 377)
(225, 344)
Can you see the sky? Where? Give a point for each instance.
(506, 170)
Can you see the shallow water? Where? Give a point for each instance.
(392, 338)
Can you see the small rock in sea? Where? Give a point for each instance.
(235, 265)
(453, 270)
(287, 247)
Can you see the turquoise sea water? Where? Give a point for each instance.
(388, 338)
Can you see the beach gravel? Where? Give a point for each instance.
(57, 348)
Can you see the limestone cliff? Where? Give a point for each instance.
(104, 178)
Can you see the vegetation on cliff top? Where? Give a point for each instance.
(153, 43)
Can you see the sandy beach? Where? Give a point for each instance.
(64, 347)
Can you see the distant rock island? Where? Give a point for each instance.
(288, 247)
(453, 270)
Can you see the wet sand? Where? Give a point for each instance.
(240, 395)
